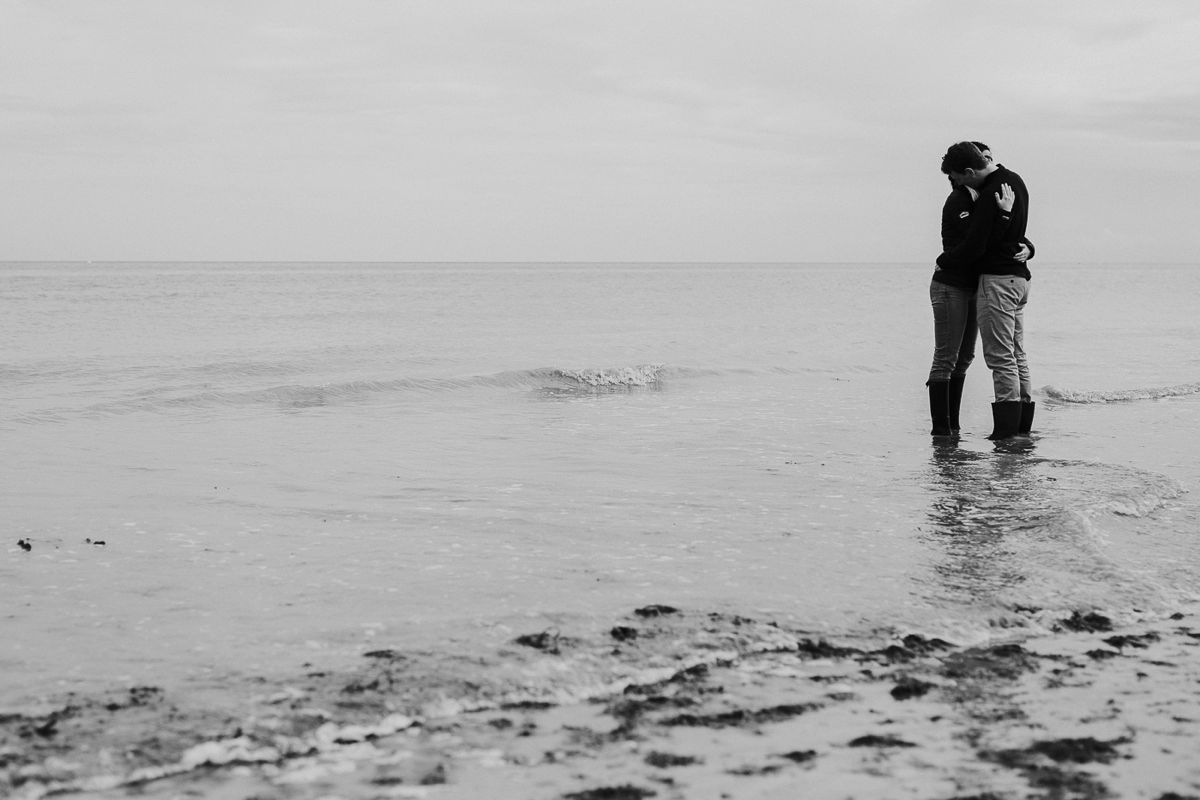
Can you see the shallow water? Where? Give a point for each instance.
(288, 464)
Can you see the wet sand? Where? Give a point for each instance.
(665, 703)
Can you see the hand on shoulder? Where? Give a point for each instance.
(1006, 197)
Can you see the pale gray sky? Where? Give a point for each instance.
(628, 130)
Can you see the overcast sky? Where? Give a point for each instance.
(616, 130)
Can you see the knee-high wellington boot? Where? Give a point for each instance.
(1027, 409)
(1006, 419)
(956, 390)
(939, 407)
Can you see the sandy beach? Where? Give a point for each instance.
(1090, 711)
(298, 560)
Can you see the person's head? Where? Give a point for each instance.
(984, 150)
(966, 164)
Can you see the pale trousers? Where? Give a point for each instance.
(1000, 310)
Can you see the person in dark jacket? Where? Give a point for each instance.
(952, 296)
(990, 250)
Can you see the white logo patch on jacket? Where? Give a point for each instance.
(964, 215)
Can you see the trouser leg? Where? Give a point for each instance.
(1023, 379)
(954, 330)
(970, 332)
(966, 354)
(1001, 304)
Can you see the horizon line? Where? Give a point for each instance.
(527, 261)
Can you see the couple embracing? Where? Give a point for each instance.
(981, 285)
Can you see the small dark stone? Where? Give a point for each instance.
(1075, 751)
(1004, 661)
(364, 686)
(741, 716)
(435, 776)
(823, 649)
(655, 611)
(546, 640)
(664, 760)
(1008, 650)
(919, 644)
(1078, 751)
(895, 653)
(1100, 655)
(387, 653)
(694, 672)
(47, 728)
(749, 771)
(1121, 642)
(527, 705)
(24, 544)
(871, 740)
(144, 695)
(623, 633)
(625, 792)
(799, 756)
(1087, 623)
(911, 687)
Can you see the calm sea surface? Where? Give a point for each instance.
(234, 469)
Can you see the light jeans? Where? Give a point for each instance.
(953, 330)
(1000, 305)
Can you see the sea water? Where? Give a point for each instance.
(211, 471)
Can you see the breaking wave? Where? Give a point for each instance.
(1119, 395)
(621, 377)
(551, 381)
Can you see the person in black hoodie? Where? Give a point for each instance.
(990, 250)
(952, 296)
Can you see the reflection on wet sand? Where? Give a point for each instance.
(977, 498)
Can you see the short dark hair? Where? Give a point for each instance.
(982, 147)
(963, 156)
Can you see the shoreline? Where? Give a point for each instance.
(746, 709)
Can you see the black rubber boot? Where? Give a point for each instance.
(1027, 409)
(956, 390)
(939, 407)
(1006, 419)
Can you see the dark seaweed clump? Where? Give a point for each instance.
(625, 792)
(1087, 623)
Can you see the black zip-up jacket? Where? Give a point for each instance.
(992, 242)
(956, 221)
